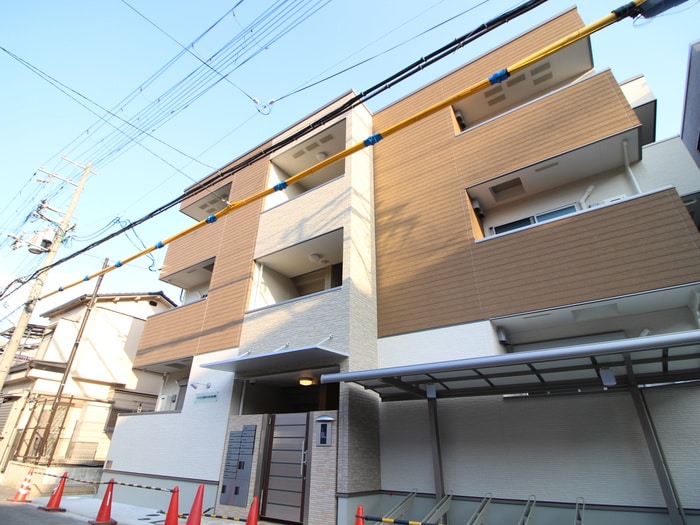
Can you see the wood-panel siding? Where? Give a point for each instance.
(214, 323)
(193, 248)
(214, 176)
(170, 335)
(430, 271)
(641, 244)
(425, 273)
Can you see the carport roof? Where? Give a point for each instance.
(618, 364)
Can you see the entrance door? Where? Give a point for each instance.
(283, 492)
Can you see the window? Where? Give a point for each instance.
(534, 219)
(324, 279)
(180, 400)
(514, 225)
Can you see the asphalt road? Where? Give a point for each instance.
(12, 513)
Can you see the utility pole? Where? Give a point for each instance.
(8, 356)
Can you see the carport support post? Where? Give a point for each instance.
(668, 489)
(435, 441)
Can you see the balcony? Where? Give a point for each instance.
(312, 266)
(303, 156)
(592, 175)
(214, 200)
(643, 243)
(544, 76)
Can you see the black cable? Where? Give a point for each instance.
(373, 91)
(197, 83)
(378, 88)
(384, 52)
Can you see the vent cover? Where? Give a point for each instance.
(508, 189)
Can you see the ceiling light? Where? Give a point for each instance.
(315, 258)
(306, 381)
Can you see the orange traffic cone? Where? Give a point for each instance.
(104, 515)
(360, 515)
(171, 516)
(54, 504)
(253, 513)
(24, 488)
(195, 517)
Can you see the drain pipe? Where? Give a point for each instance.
(582, 202)
(630, 173)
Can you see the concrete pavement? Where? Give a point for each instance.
(79, 509)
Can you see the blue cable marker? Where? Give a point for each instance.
(372, 139)
(499, 76)
(210, 219)
(118, 264)
(86, 278)
(60, 288)
(159, 244)
(280, 186)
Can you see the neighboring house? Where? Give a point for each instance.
(12, 400)
(73, 431)
(502, 299)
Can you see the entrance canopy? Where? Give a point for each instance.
(647, 360)
(283, 360)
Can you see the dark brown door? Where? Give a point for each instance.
(283, 493)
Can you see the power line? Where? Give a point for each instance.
(187, 49)
(79, 98)
(267, 28)
(271, 25)
(373, 91)
(384, 52)
(121, 105)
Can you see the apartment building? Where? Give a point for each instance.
(66, 388)
(690, 131)
(501, 299)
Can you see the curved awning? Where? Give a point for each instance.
(649, 360)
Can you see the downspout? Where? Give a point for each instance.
(630, 173)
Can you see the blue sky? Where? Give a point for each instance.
(105, 50)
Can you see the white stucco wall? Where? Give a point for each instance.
(442, 344)
(558, 448)
(667, 163)
(185, 444)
